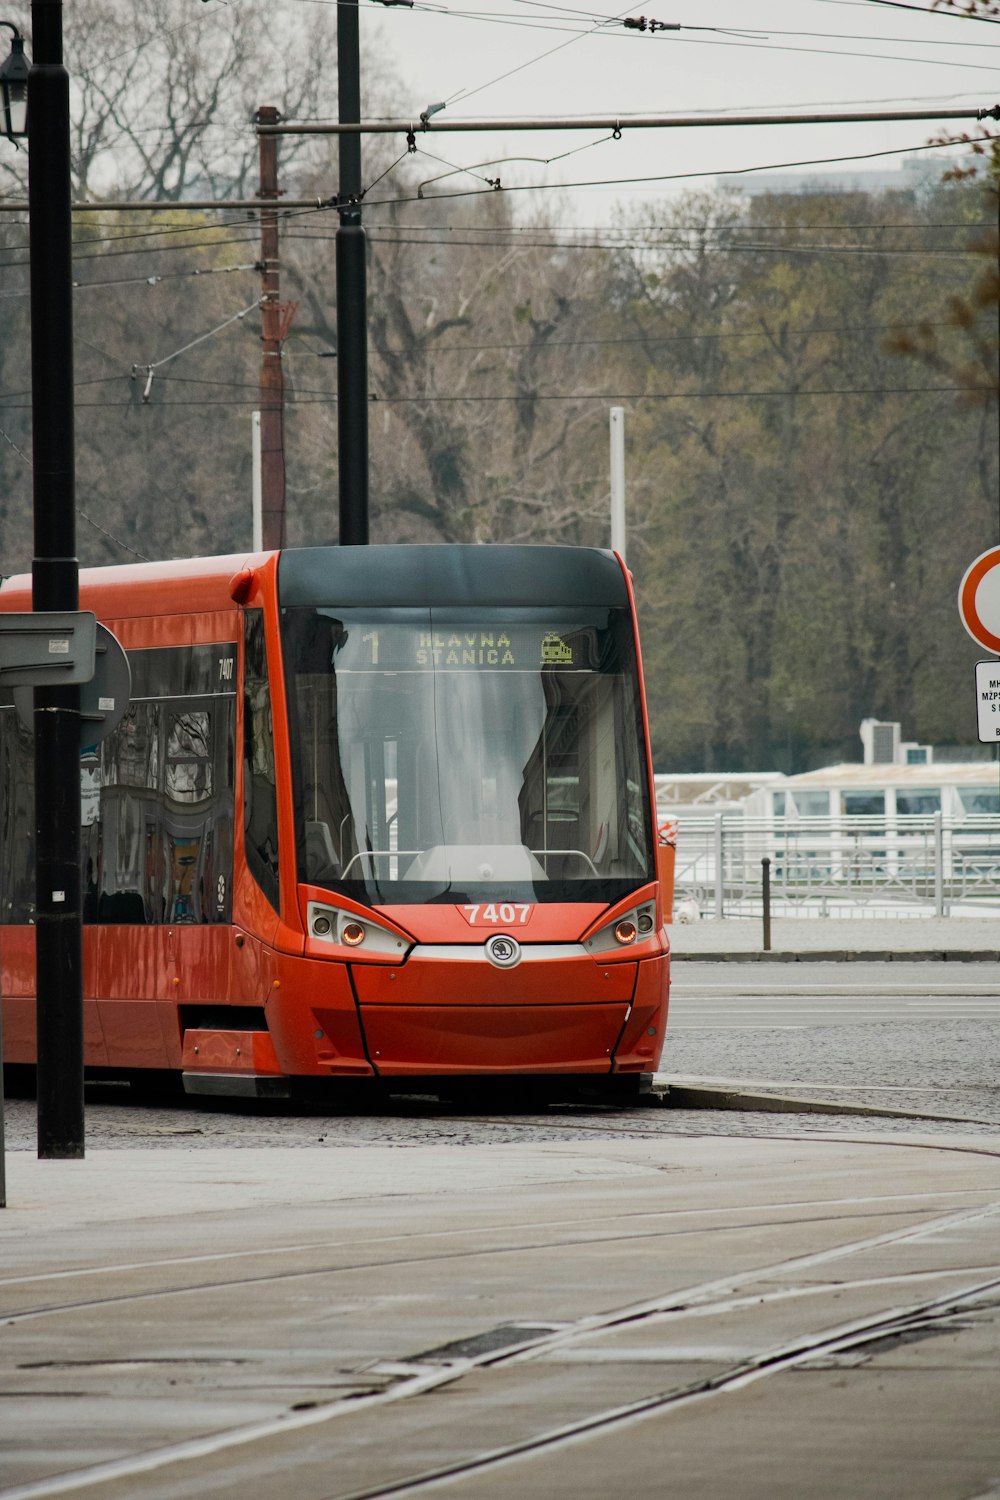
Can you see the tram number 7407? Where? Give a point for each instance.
(497, 913)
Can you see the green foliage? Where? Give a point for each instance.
(809, 500)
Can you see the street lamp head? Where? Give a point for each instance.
(14, 88)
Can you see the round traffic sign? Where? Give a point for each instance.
(979, 599)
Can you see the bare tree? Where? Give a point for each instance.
(487, 399)
(163, 93)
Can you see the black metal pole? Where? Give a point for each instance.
(272, 377)
(55, 586)
(352, 293)
(765, 885)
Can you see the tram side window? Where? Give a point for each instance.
(119, 846)
(196, 851)
(260, 807)
(156, 798)
(158, 803)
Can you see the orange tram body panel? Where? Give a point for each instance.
(372, 813)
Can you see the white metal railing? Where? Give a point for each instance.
(911, 865)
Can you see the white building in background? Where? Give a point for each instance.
(897, 778)
(901, 829)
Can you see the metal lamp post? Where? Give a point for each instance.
(55, 573)
(352, 294)
(14, 88)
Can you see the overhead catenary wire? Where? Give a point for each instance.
(613, 237)
(150, 281)
(79, 509)
(659, 177)
(935, 10)
(11, 444)
(9, 399)
(725, 37)
(493, 182)
(721, 245)
(329, 398)
(151, 367)
(635, 238)
(111, 536)
(755, 38)
(616, 124)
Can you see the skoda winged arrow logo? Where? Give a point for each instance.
(503, 951)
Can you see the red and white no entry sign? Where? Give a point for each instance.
(979, 599)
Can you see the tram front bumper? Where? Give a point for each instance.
(448, 1010)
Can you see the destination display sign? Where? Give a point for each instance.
(468, 647)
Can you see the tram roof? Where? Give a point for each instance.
(453, 573)
(201, 582)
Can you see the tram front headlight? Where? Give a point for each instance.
(623, 931)
(331, 924)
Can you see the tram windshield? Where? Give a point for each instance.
(462, 754)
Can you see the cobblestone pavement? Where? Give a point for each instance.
(121, 1126)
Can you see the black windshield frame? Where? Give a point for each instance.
(494, 749)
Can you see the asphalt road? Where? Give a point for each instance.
(923, 1037)
(708, 996)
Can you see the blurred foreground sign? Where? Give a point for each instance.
(988, 701)
(104, 689)
(43, 649)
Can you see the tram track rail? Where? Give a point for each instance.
(434, 1370)
(11, 1317)
(858, 1334)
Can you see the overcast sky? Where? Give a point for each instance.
(517, 58)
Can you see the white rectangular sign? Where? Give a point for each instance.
(988, 701)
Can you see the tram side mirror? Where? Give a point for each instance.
(666, 857)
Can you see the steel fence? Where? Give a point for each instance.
(848, 865)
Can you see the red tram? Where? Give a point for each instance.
(373, 812)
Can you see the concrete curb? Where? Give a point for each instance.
(687, 1096)
(841, 955)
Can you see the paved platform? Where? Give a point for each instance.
(834, 939)
(714, 1316)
